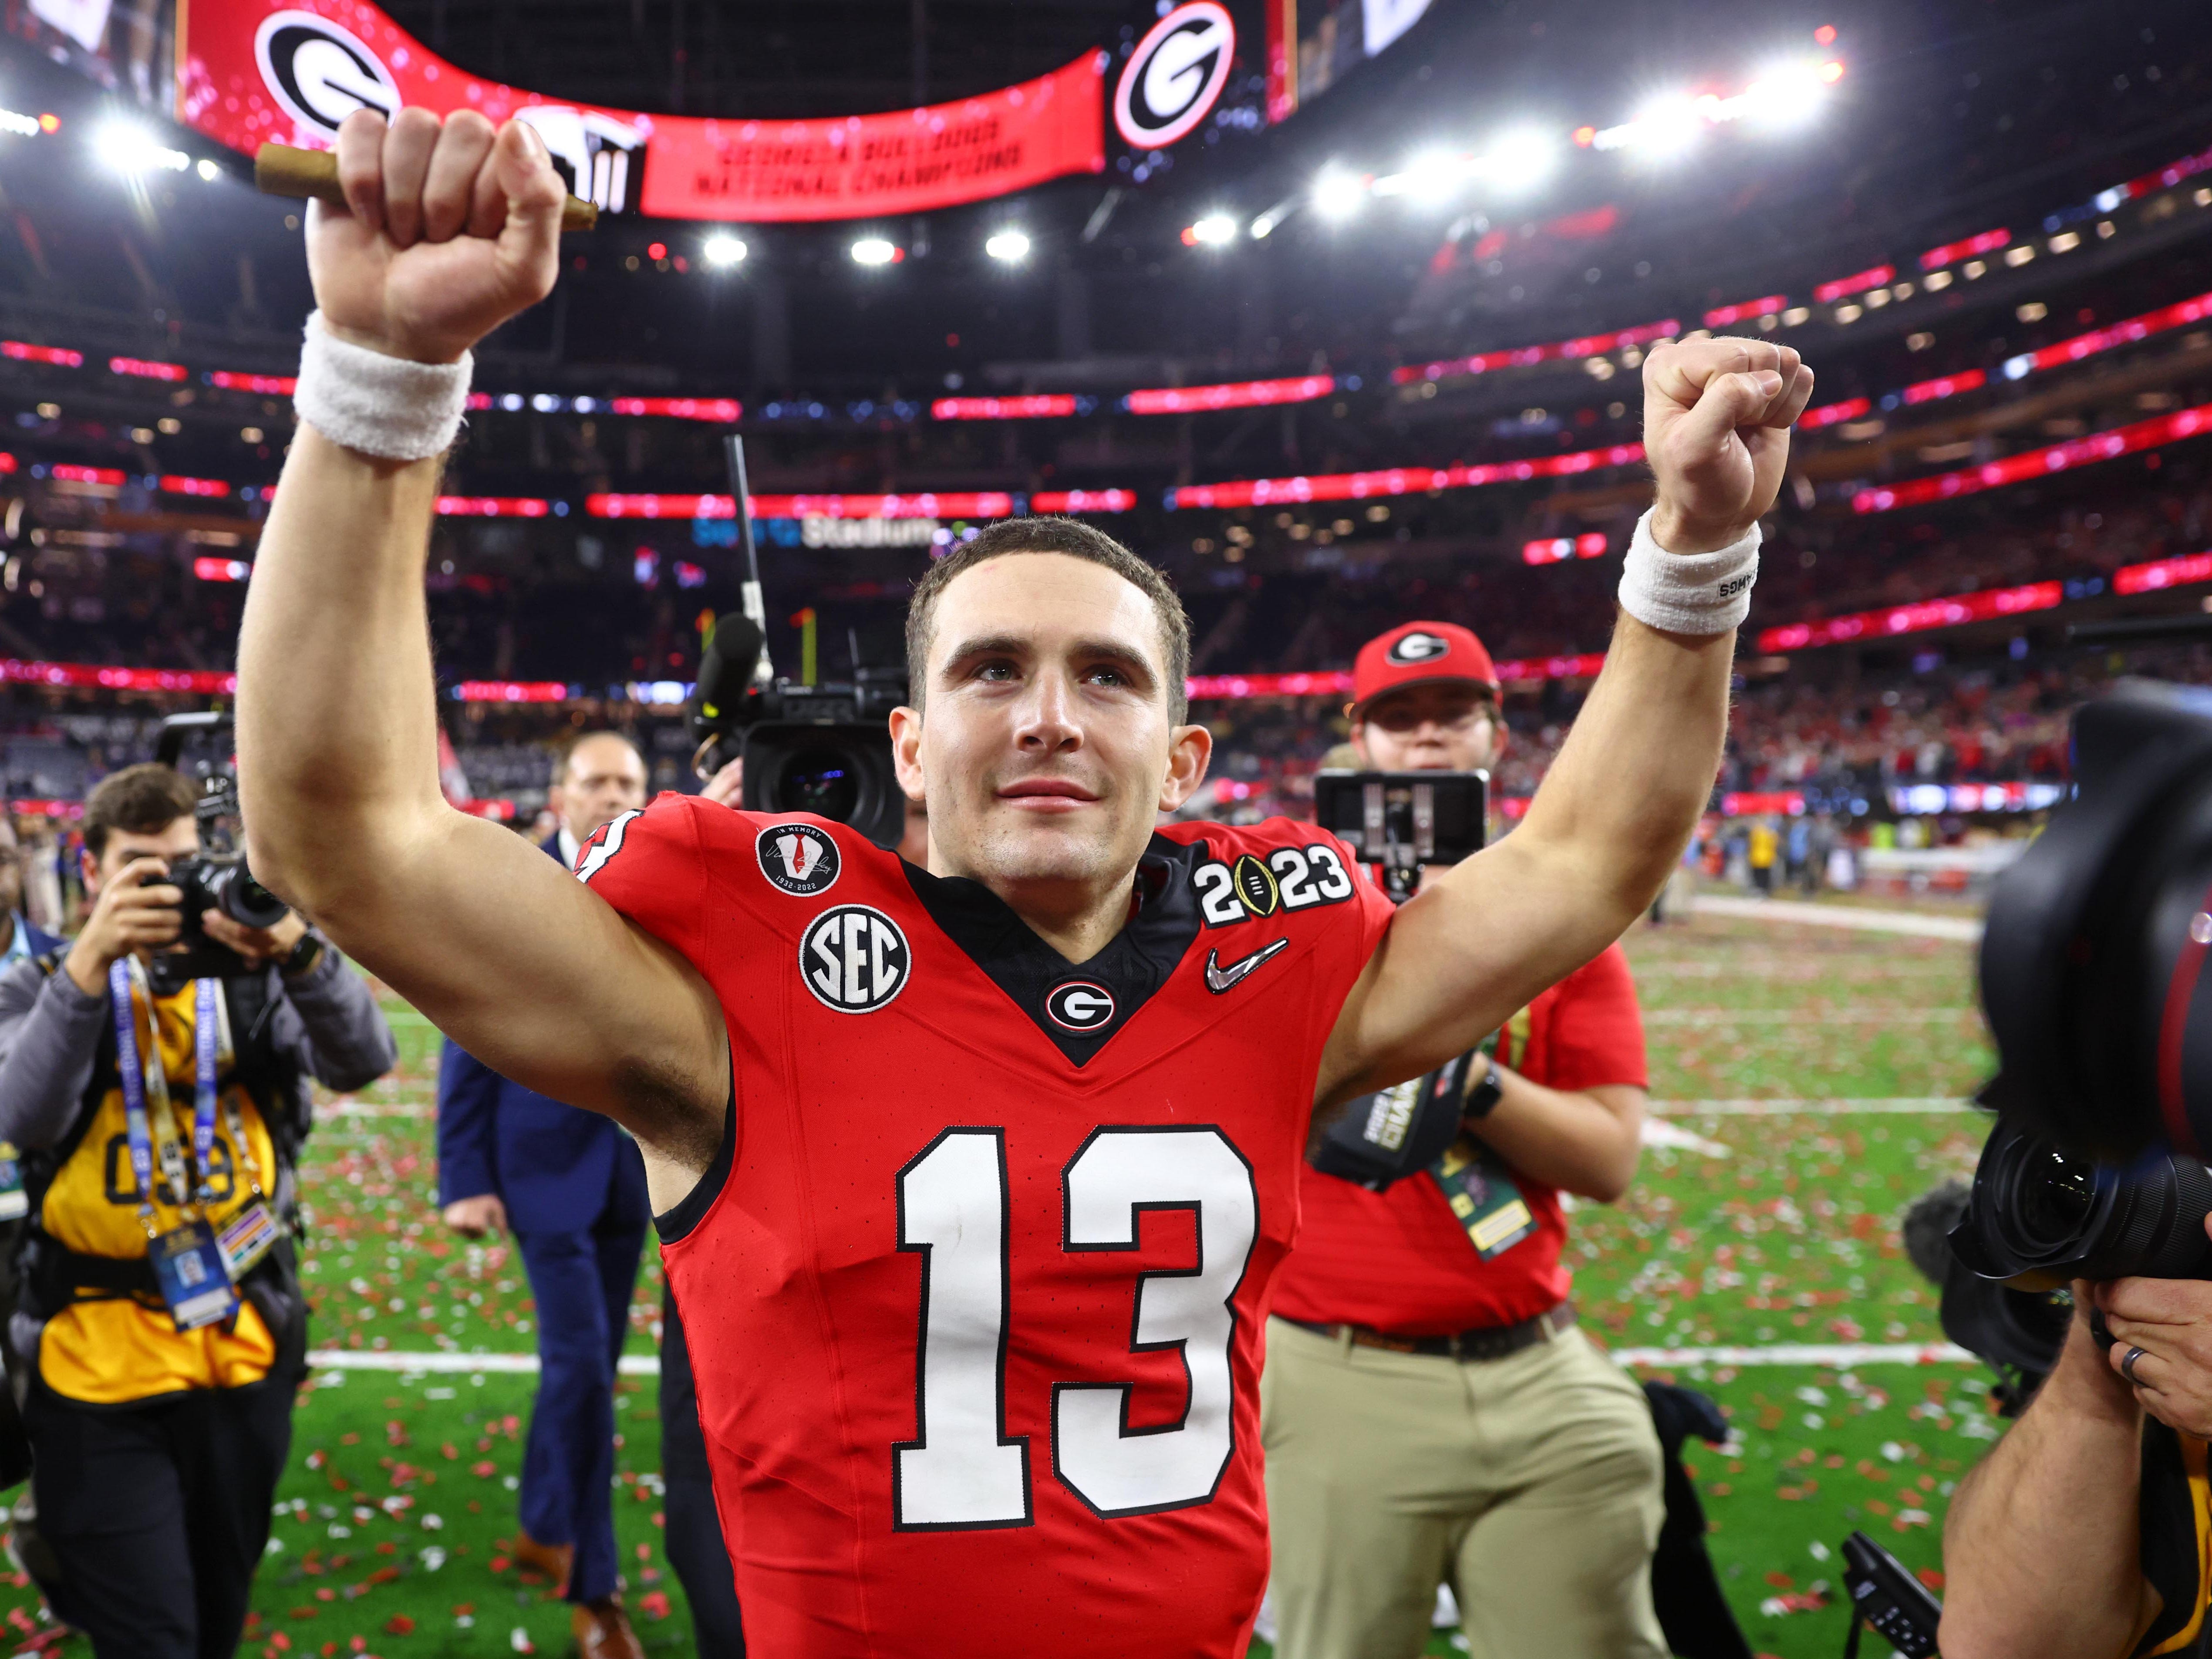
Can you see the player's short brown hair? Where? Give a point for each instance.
(139, 800)
(1077, 540)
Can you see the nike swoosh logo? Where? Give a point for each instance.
(1220, 979)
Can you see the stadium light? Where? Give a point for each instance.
(131, 149)
(1008, 246)
(1666, 128)
(1215, 230)
(1521, 159)
(875, 251)
(1338, 195)
(1786, 95)
(725, 251)
(208, 171)
(1430, 176)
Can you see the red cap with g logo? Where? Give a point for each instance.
(1419, 654)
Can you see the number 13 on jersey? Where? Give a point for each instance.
(962, 1470)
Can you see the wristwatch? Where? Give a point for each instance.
(303, 956)
(1483, 1096)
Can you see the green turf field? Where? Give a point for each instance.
(1757, 1230)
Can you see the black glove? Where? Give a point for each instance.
(1379, 1139)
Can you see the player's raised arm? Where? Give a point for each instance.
(1619, 803)
(451, 228)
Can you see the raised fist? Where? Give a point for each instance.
(1717, 419)
(449, 229)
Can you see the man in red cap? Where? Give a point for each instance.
(1430, 1412)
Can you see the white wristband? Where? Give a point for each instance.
(1688, 592)
(384, 406)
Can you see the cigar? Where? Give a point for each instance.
(281, 170)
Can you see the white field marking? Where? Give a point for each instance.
(342, 1110)
(444, 1363)
(1878, 1014)
(1803, 1353)
(1776, 965)
(1840, 916)
(1908, 1104)
(1657, 1132)
(1778, 1353)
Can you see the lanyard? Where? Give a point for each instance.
(143, 1083)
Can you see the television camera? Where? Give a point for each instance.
(819, 749)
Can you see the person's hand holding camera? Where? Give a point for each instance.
(136, 910)
(259, 945)
(2162, 1347)
(727, 787)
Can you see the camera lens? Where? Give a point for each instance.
(821, 782)
(2056, 1193)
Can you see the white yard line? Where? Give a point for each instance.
(1802, 1353)
(1658, 1132)
(1840, 916)
(1908, 1104)
(1877, 1014)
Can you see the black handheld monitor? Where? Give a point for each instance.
(1403, 821)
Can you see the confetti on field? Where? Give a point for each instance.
(1809, 1082)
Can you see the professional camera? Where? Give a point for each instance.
(217, 879)
(819, 749)
(2091, 979)
(1404, 821)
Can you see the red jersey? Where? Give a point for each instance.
(974, 1290)
(1399, 1260)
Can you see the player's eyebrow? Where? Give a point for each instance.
(1091, 650)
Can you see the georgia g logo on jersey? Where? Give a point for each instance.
(854, 958)
(1417, 647)
(797, 858)
(1080, 1005)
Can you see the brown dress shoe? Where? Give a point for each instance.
(550, 1560)
(602, 1631)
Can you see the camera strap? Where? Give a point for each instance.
(148, 1118)
(189, 1265)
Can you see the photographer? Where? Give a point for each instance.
(1430, 1412)
(2081, 1535)
(159, 1330)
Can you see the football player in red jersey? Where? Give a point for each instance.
(971, 1178)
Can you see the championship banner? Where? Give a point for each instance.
(252, 70)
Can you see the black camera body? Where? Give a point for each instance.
(826, 749)
(219, 880)
(2091, 979)
(820, 749)
(1403, 821)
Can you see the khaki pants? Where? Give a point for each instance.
(1532, 1484)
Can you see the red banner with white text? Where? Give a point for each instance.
(252, 70)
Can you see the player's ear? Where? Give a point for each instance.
(905, 750)
(1189, 750)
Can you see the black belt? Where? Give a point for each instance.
(1483, 1342)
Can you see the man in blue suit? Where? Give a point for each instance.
(570, 1185)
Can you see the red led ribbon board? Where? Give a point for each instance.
(249, 71)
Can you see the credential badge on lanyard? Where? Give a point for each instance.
(188, 1263)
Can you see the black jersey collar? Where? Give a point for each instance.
(1078, 1008)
